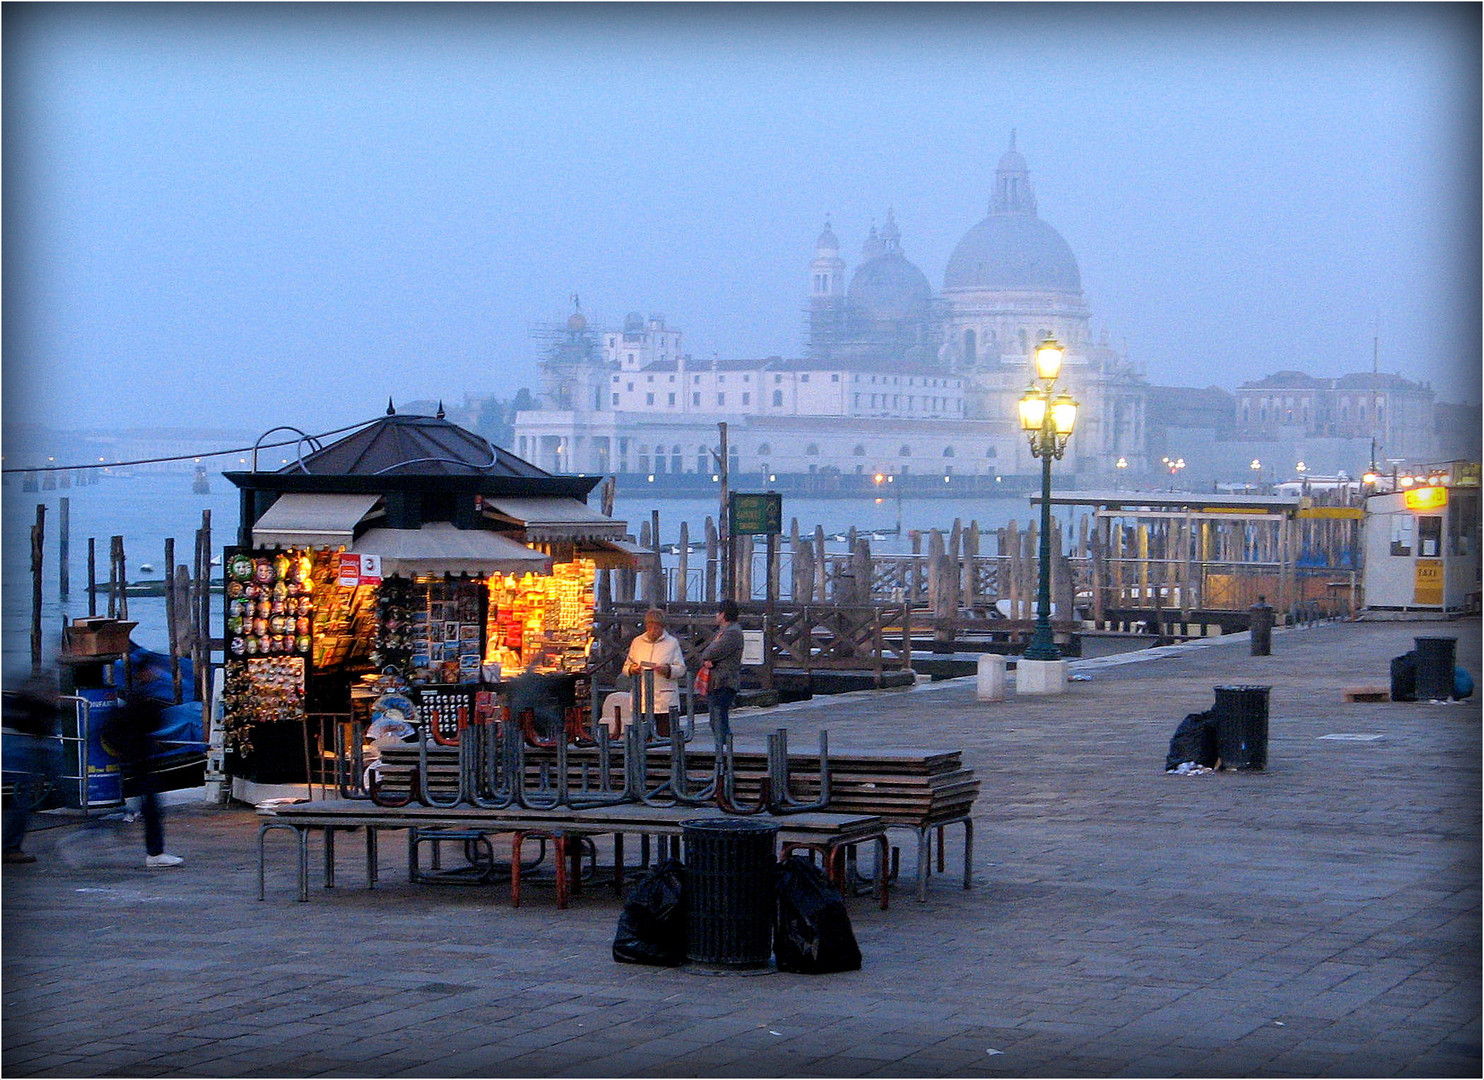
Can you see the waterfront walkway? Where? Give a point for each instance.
(1321, 918)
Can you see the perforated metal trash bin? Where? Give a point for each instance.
(1242, 727)
(729, 871)
(1435, 657)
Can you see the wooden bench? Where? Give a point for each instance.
(829, 833)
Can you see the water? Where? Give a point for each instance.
(147, 508)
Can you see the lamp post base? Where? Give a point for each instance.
(1040, 676)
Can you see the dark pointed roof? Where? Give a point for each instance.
(395, 445)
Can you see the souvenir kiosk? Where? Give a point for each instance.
(410, 563)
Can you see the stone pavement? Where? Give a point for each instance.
(1319, 919)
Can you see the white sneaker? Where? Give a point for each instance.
(160, 862)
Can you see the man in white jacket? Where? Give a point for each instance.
(658, 651)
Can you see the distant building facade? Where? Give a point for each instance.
(893, 379)
(1399, 414)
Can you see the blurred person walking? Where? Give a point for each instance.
(32, 755)
(133, 738)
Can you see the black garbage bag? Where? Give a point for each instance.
(1194, 740)
(811, 934)
(1404, 677)
(651, 927)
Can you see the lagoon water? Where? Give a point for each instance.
(149, 507)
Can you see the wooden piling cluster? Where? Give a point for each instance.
(187, 594)
(1175, 564)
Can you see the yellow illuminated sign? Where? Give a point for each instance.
(1425, 498)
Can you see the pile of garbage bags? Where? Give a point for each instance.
(811, 929)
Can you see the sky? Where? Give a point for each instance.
(240, 216)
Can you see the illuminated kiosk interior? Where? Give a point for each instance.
(411, 557)
(1422, 543)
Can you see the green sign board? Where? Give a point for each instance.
(758, 514)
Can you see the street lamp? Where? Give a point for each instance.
(1048, 422)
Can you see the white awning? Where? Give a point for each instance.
(440, 548)
(555, 518)
(616, 554)
(310, 519)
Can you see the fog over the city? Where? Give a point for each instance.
(241, 216)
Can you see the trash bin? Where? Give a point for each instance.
(1242, 727)
(1435, 667)
(1260, 621)
(729, 871)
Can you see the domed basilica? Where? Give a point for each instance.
(1011, 282)
(895, 380)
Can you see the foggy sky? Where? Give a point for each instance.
(246, 216)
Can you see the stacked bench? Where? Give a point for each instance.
(921, 793)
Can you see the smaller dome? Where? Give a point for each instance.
(633, 321)
(873, 247)
(889, 287)
(577, 322)
(827, 240)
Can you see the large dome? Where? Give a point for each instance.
(1013, 252)
(1013, 249)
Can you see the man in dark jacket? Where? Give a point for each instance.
(723, 656)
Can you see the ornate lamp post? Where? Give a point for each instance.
(1048, 422)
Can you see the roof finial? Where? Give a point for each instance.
(440, 409)
(390, 410)
(1012, 138)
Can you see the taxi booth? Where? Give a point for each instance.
(408, 570)
(1422, 544)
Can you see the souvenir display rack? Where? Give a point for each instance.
(269, 601)
(446, 637)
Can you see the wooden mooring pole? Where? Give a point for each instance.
(64, 548)
(92, 576)
(38, 534)
(170, 623)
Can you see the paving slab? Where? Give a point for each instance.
(1319, 918)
